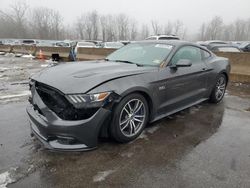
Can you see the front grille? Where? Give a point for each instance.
(57, 102)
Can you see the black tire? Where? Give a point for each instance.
(116, 131)
(214, 98)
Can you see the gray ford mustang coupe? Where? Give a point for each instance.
(73, 104)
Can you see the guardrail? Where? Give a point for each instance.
(93, 53)
(5, 48)
(59, 52)
(240, 65)
(239, 58)
(23, 49)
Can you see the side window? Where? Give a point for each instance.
(187, 52)
(205, 54)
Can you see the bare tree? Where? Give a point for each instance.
(46, 23)
(215, 28)
(88, 25)
(122, 23)
(202, 34)
(177, 27)
(112, 33)
(80, 28)
(240, 29)
(228, 32)
(144, 31)
(168, 28)
(14, 20)
(21, 22)
(133, 30)
(104, 24)
(94, 20)
(156, 27)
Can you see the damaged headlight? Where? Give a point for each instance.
(88, 100)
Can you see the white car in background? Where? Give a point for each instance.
(84, 44)
(115, 45)
(163, 37)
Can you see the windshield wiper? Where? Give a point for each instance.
(130, 62)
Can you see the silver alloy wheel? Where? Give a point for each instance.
(220, 88)
(132, 117)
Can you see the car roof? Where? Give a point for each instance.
(163, 35)
(223, 45)
(244, 44)
(176, 43)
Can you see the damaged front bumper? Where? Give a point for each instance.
(64, 135)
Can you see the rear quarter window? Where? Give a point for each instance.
(205, 54)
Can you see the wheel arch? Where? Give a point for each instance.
(146, 94)
(226, 75)
(104, 131)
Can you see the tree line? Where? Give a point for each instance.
(238, 30)
(20, 21)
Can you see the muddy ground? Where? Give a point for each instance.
(203, 146)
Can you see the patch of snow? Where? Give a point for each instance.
(44, 65)
(143, 136)
(193, 110)
(5, 179)
(28, 56)
(127, 154)
(180, 116)
(101, 176)
(151, 130)
(2, 69)
(9, 54)
(49, 61)
(23, 93)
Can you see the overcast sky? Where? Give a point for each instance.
(191, 12)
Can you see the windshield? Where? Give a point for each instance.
(244, 44)
(147, 54)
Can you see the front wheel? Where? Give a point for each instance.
(129, 118)
(219, 89)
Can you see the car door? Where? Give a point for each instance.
(182, 86)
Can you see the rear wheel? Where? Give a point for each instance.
(219, 89)
(129, 119)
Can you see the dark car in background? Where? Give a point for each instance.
(30, 42)
(223, 48)
(73, 104)
(245, 46)
(208, 43)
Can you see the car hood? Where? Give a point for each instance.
(81, 77)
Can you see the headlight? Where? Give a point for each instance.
(88, 100)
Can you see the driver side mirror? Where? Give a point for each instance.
(182, 63)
